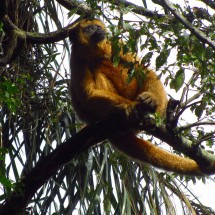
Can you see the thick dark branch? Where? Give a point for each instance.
(3, 9)
(13, 45)
(201, 36)
(83, 9)
(210, 3)
(137, 9)
(188, 126)
(8, 53)
(49, 165)
(88, 137)
(205, 159)
(80, 7)
(37, 38)
(42, 38)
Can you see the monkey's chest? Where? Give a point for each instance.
(103, 83)
(116, 79)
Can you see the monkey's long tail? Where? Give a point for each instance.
(141, 150)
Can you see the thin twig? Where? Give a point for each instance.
(195, 124)
(201, 36)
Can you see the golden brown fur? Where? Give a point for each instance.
(98, 89)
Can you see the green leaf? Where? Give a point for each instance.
(1, 26)
(146, 58)
(162, 58)
(5, 182)
(72, 12)
(178, 81)
(200, 109)
(116, 60)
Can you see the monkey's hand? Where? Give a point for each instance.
(146, 102)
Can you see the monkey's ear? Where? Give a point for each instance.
(73, 35)
(73, 32)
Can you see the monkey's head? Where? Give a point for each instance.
(88, 32)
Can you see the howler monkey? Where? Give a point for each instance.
(99, 88)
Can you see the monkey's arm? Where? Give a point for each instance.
(153, 91)
(103, 102)
(99, 95)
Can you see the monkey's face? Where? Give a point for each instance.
(94, 33)
(88, 32)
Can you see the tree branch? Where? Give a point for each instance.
(39, 38)
(201, 36)
(14, 43)
(47, 166)
(80, 7)
(138, 9)
(87, 137)
(83, 9)
(3, 9)
(205, 159)
(9, 52)
(17, 38)
(209, 3)
(195, 124)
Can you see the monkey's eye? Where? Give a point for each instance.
(98, 27)
(90, 29)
